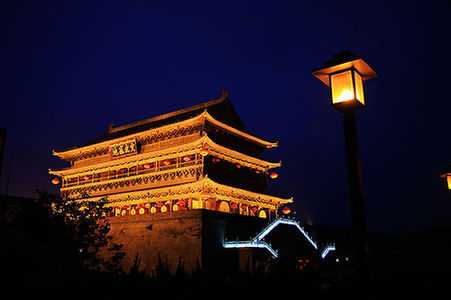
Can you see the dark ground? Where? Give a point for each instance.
(33, 255)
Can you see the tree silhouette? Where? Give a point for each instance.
(85, 228)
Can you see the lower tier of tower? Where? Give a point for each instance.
(194, 241)
(190, 240)
(202, 194)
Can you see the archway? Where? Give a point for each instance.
(224, 206)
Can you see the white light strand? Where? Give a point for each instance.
(276, 222)
(251, 244)
(257, 241)
(327, 250)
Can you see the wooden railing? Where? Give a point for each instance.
(163, 177)
(133, 170)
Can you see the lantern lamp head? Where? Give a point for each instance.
(345, 75)
(448, 179)
(55, 181)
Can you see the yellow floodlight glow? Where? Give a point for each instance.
(345, 80)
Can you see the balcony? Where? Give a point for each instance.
(144, 176)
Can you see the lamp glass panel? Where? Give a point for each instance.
(359, 88)
(449, 181)
(342, 87)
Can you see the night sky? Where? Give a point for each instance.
(70, 68)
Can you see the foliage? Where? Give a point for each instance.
(85, 225)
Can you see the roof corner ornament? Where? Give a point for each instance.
(110, 127)
(204, 151)
(224, 94)
(203, 118)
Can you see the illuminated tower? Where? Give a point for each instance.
(169, 168)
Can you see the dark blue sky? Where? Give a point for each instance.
(69, 68)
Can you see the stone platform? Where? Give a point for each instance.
(192, 238)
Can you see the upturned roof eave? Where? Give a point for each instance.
(204, 140)
(198, 187)
(66, 154)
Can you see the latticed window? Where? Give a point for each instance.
(122, 173)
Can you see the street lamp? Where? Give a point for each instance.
(448, 179)
(345, 75)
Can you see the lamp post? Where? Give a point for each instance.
(345, 75)
(2, 147)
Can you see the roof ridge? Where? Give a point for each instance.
(223, 97)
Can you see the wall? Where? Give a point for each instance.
(172, 236)
(194, 236)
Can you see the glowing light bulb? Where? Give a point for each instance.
(273, 175)
(345, 95)
(286, 210)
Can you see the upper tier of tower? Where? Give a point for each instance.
(215, 118)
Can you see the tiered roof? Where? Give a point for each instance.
(204, 142)
(205, 186)
(218, 112)
(180, 124)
